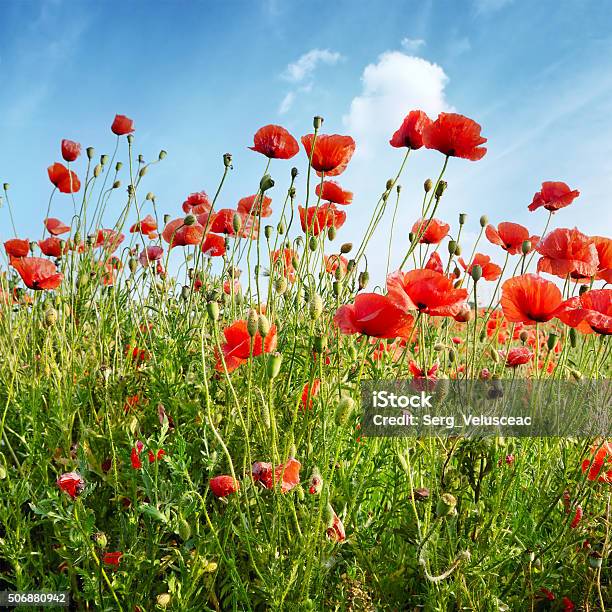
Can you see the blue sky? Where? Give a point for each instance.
(199, 78)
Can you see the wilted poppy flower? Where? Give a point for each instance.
(224, 485)
(112, 558)
(151, 253)
(56, 227)
(146, 226)
(589, 312)
(553, 196)
(285, 258)
(287, 474)
(65, 180)
(17, 247)
(251, 205)
(70, 150)
(237, 346)
(516, 356)
(374, 315)
(430, 231)
(490, 271)
(599, 467)
(410, 133)
(455, 136)
(332, 192)
(604, 253)
(275, 142)
(213, 245)
(335, 529)
(434, 263)
(109, 239)
(566, 251)
(331, 154)
(52, 247)
(510, 236)
(429, 292)
(333, 262)
(71, 483)
(38, 273)
(530, 299)
(122, 125)
(197, 203)
(176, 233)
(309, 392)
(321, 217)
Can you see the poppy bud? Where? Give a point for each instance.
(185, 293)
(118, 166)
(389, 184)
(97, 170)
(280, 228)
(252, 322)
(294, 261)
(90, 152)
(133, 264)
(291, 192)
(524, 336)
(456, 272)
(363, 279)
(457, 284)
(552, 341)
(280, 285)
(236, 222)
(452, 245)
(268, 231)
(411, 237)
(317, 122)
(162, 155)
(441, 188)
(312, 243)
(576, 374)
(573, 336)
(212, 308)
(398, 188)
(482, 336)
(316, 482)
(344, 410)
(116, 184)
(484, 220)
(227, 160)
(189, 220)
(143, 171)
(163, 600)
(265, 415)
(131, 191)
(184, 530)
(331, 232)
(266, 183)
(315, 307)
(526, 247)
(350, 265)
(428, 185)
(274, 365)
(130, 138)
(346, 248)
(99, 539)
(458, 250)
(319, 344)
(438, 347)
(336, 288)
(476, 273)
(446, 505)
(294, 173)
(339, 273)
(263, 325)
(329, 516)
(462, 218)
(494, 355)
(451, 355)
(50, 317)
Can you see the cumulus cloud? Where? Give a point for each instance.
(412, 44)
(305, 66)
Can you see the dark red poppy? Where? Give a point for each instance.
(224, 485)
(331, 154)
(599, 467)
(431, 231)
(213, 245)
(285, 258)
(455, 136)
(70, 150)
(589, 312)
(530, 299)
(109, 239)
(122, 125)
(553, 196)
(153, 457)
(374, 315)
(309, 392)
(112, 558)
(56, 227)
(197, 203)
(71, 483)
(333, 262)
(176, 233)
(65, 180)
(146, 226)
(410, 133)
(275, 142)
(516, 356)
(434, 263)
(566, 251)
(135, 455)
(287, 474)
(52, 247)
(321, 217)
(251, 205)
(17, 247)
(510, 236)
(151, 253)
(37, 273)
(429, 292)
(604, 253)
(237, 346)
(333, 192)
(490, 271)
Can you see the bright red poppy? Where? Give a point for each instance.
(333, 192)
(490, 271)
(285, 257)
(566, 251)
(251, 205)
(176, 233)
(237, 346)
(275, 142)
(17, 247)
(223, 485)
(37, 273)
(410, 133)
(122, 125)
(197, 203)
(213, 245)
(65, 180)
(423, 374)
(287, 474)
(70, 150)
(374, 315)
(455, 136)
(71, 483)
(519, 355)
(223, 223)
(146, 226)
(309, 392)
(109, 239)
(530, 299)
(431, 231)
(56, 227)
(331, 154)
(589, 312)
(151, 253)
(553, 196)
(604, 253)
(428, 291)
(112, 558)
(52, 247)
(510, 236)
(153, 457)
(599, 467)
(135, 455)
(434, 263)
(333, 262)
(321, 217)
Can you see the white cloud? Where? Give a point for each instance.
(412, 44)
(286, 103)
(304, 67)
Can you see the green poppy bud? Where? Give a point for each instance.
(446, 505)
(526, 247)
(133, 264)
(462, 218)
(344, 409)
(118, 166)
(236, 222)
(189, 220)
(274, 365)
(336, 285)
(552, 341)
(162, 155)
(428, 185)
(452, 247)
(484, 220)
(227, 160)
(317, 122)
(319, 344)
(280, 285)
(573, 336)
(312, 243)
(363, 279)
(50, 317)
(267, 231)
(441, 188)
(184, 530)
(294, 173)
(90, 152)
(476, 272)
(212, 308)
(315, 306)
(263, 325)
(143, 171)
(266, 183)
(280, 228)
(116, 184)
(252, 322)
(97, 170)
(346, 248)
(331, 233)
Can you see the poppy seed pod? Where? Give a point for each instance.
(438, 347)
(280, 285)
(273, 366)
(441, 188)
(97, 170)
(411, 237)
(317, 122)
(162, 155)
(446, 505)
(462, 218)
(212, 308)
(484, 220)
(90, 152)
(252, 322)
(227, 160)
(344, 409)
(312, 244)
(118, 166)
(451, 355)
(130, 138)
(116, 184)
(346, 248)
(189, 220)
(315, 306)
(236, 222)
(185, 293)
(294, 173)
(552, 341)
(50, 317)
(266, 183)
(526, 247)
(280, 228)
(524, 336)
(428, 185)
(389, 184)
(364, 278)
(6, 186)
(476, 272)
(336, 285)
(133, 264)
(331, 233)
(263, 325)
(452, 245)
(143, 171)
(268, 231)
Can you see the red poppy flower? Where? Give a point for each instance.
(176, 233)
(70, 150)
(223, 223)
(553, 196)
(156, 457)
(490, 271)
(589, 312)
(287, 474)
(197, 203)
(71, 483)
(17, 247)
(146, 226)
(332, 192)
(331, 154)
(37, 273)
(122, 125)
(530, 299)
(319, 218)
(333, 262)
(251, 205)
(224, 485)
(577, 517)
(335, 531)
(566, 251)
(431, 231)
(604, 253)
(65, 180)
(213, 245)
(374, 315)
(597, 467)
(151, 253)
(52, 247)
(275, 142)
(229, 288)
(510, 236)
(419, 373)
(456, 136)
(237, 346)
(135, 455)
(434, 263)
(410, 133)
(310, 392)
(427, 291)
(516, 356)
(109, 239)
(285, 257)
(112, 558)
(56, 227)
